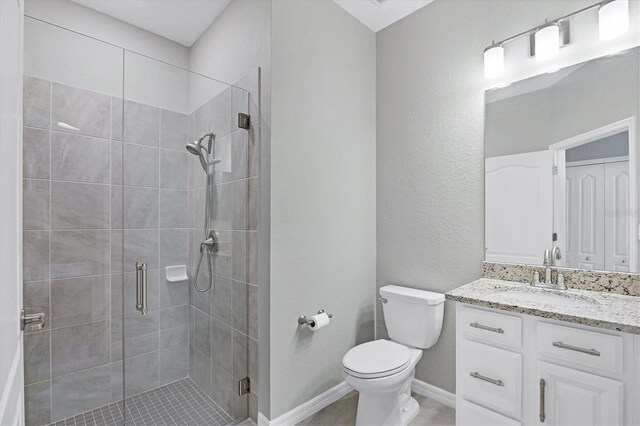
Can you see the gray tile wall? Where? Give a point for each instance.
(76, 235)
(224, 334)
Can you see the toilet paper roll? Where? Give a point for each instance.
(319, 321)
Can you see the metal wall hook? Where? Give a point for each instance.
(303, 320)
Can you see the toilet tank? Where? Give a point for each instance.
(413, 317)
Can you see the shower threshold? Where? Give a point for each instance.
(178, 403)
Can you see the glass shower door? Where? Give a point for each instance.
(112, 198)
(72, 84)
(184, 217)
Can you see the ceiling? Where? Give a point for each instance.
(182, 21)
(378, 14)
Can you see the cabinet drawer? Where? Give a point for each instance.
(470, 414)
(491, 327)
(575, 346)
(491, 377)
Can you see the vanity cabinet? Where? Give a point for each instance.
(516, 369)
(573, 397)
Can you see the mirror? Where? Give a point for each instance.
(561, 167)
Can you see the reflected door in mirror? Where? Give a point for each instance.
(518, 207)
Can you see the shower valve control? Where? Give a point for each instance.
(212, 242)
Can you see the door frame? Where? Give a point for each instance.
(559, 188)
(11, 71)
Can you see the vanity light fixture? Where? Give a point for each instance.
(547, 41)
(613, 19)
(493, 61)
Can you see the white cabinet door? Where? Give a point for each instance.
(11, 370)
(616, 216)
(470, 414)
(585, 217)
(518, 207)
(570, 397)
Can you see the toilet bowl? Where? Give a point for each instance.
(382, 370)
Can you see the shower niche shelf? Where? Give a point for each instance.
(176, 273)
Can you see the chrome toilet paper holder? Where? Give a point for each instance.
(303, 320)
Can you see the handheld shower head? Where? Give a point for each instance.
(193, 148)
(196, 148)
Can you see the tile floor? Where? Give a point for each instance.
(180, 403)
(343, 413)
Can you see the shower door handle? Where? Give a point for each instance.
(141, 287)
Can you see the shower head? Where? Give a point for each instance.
(193, 148)
(196, 148)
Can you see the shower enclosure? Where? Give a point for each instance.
(112, 198)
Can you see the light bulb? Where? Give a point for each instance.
(613, 19)
(547, 41)
(493, 61)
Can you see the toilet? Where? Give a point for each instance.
(382, 370)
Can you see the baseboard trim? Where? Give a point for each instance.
(321, 401)
(9, 401)
(307, 409)
(262, 420)
(425, 389)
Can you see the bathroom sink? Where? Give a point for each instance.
(548, 297)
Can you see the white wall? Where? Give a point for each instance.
(95, 24)
(322, 195)
(430, 109)
(238, 42)
(11, 348)
(68, 57)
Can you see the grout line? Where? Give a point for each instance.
(68, 181)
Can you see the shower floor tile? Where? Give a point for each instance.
(179, 403)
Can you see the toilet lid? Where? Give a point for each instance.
(377, 358)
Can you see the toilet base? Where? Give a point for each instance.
(375, 408)
(409, 410)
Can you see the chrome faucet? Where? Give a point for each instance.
(555, 255)
(550, 257)
(548, 261)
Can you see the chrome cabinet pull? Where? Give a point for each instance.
(576, 348)
(141, 287)
(479, 376)
(484, 327)
(542, 414)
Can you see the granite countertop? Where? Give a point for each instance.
(596, 309)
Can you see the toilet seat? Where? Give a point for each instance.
(379, 358)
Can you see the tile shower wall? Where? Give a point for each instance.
(74, 227)
(223, 343)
